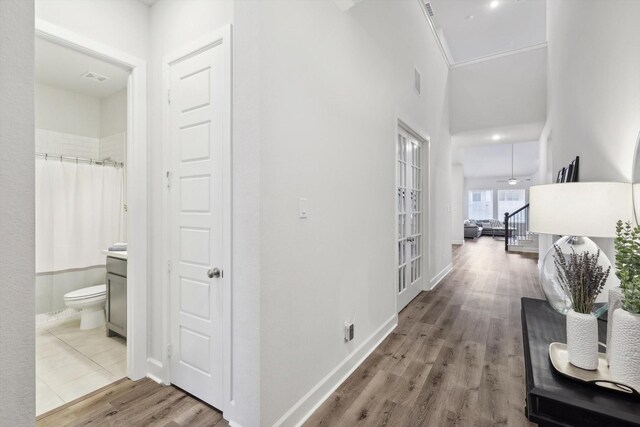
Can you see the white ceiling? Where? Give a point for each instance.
(149, 2)
(472, 29)
(506, 134)
(62, 67)
(495, 160)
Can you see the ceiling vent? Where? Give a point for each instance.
(429, 9)
(94, 76)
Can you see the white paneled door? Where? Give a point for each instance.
(409, 218)
(198, 110)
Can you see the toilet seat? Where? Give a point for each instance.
(86, 293)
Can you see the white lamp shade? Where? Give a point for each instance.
(589, 209)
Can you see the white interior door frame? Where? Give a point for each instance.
(405, 124)
(222, 37)
(137, 265)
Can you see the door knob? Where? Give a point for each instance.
(214, 272)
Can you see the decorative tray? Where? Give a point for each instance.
(601, 377)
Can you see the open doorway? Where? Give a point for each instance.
(130, 210)
(81, 253)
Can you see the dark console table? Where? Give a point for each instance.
(554, 400)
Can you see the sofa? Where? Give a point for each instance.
(490, 227)
(472, 230)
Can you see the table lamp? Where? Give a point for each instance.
(577, 211)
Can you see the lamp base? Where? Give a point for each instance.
(549, 282)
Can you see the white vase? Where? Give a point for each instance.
(615, 302)
(582, 340)
(625, 354)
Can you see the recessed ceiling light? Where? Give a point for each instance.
(496, 137)
(494, 4)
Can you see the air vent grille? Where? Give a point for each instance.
(429, 9)
(94, 76)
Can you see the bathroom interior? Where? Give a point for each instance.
(81, 256)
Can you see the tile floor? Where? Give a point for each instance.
(71, 363)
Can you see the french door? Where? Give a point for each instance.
(409, 197)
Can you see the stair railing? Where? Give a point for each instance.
(516, 226)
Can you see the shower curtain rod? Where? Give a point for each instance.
(104, 162)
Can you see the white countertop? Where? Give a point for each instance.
(115, 254)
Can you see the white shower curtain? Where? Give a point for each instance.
(79, 212)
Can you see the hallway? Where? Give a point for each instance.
(456, 356)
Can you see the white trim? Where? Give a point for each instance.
(435, 34)
(222, 37)
(313, 399)
(522, 249)
(457, 242)
(155, 370)
(438, 278)
(499, 55)
(137, 264)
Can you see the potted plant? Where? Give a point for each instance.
(625, 339)
(582, 278)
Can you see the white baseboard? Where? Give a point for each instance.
(523, 249)
(311, 401)
(457, 242)
(436, 280)
(155, 370)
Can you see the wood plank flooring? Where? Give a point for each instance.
(454, 359)
(139, 403)
(456, 356)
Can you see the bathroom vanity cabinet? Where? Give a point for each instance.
(116, 308)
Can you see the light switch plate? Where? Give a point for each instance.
(304, 211)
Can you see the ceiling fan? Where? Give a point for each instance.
(512, 180)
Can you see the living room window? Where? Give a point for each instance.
(480, 204)
(510, 200)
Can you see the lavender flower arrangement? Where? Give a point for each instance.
(581, 277)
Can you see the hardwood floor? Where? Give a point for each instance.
(129, 403)
(454, 359)
(456, 356)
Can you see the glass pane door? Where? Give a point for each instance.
(409, 210)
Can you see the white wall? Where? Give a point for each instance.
(17, 252)
(458, 203)
(505, 91)
(121, 24)
(113, 126)
(67, 112)
(331, 83)
(594, 106)
(113, 114)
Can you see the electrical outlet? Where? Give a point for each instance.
(349, 331)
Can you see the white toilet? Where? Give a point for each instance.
(91, 301)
